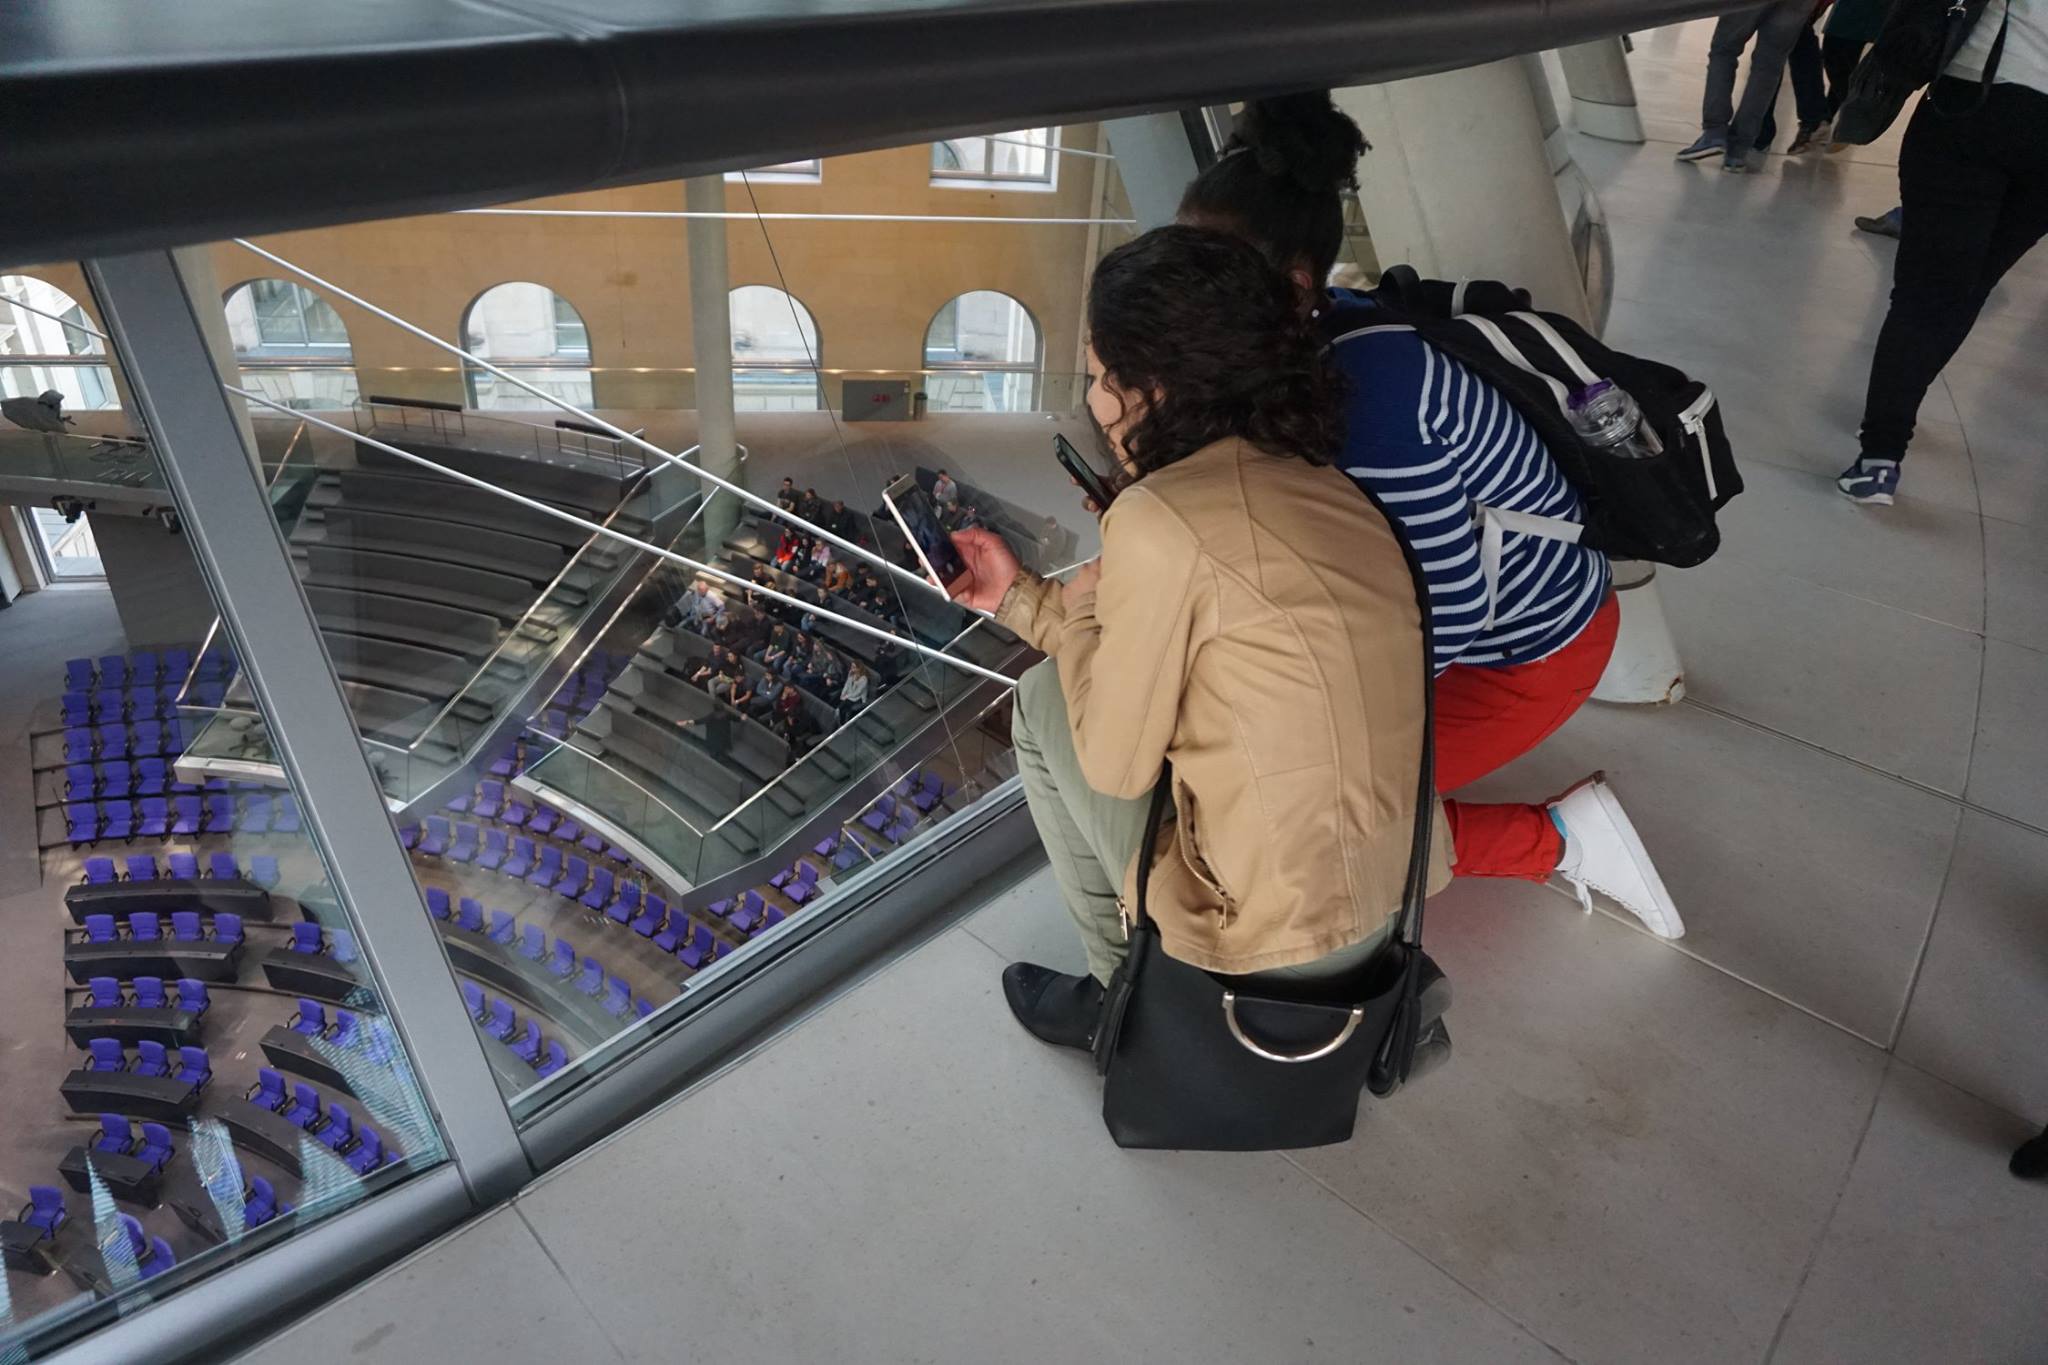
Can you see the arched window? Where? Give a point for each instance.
(44, 345)
(981, 355)
(775, 355)
(291, 345)
(531, 331)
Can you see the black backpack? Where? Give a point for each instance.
(1659, 509)
(1918, 41)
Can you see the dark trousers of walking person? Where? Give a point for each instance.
(1776, 28)
(1838, 58)
(1975, 191)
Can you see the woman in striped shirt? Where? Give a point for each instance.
(1519, 645)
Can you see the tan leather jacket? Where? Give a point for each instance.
(1256, 624)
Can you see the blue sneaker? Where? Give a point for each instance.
(1710, 144)
(1871, 482)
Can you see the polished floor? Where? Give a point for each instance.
(1782, 1140)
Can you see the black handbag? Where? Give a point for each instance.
(1195, 1061)
(1918, 41)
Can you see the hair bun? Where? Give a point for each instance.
(1302, 138)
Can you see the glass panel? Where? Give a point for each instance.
(608, 820)
(42, 332)
(292, 345)
(536, 335)
(983, 347)
(198, 1062)
(775, 351)
(1024, 155)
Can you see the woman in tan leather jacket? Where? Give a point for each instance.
(1251, 620)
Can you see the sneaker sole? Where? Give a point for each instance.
(1665, 908)
(1709, 153)
(1868, 499)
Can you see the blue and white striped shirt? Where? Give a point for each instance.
(1434, 442)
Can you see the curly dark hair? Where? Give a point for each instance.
(1200, 318)
(1281, 180)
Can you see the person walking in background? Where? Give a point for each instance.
(1728, 131)
(1973, 189)
(1853, 25)
(1806, 68)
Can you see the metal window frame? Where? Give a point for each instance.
(966, 179)
(225, 512)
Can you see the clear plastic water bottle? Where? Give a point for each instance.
(1608, 418)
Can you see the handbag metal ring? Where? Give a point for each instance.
(1237, 1032)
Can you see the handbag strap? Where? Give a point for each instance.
(1962, 20)
(1416, 889)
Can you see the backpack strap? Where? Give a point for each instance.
(1495, 524)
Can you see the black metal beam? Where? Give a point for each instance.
(133, 124)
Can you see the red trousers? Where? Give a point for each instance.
(1488, 717)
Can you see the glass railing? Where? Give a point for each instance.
(948, 389)
(560, 440)
(702, 844)
(78, 457)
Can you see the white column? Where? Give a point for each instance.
(1156, 160)
(1603, 92)
(1458, 182)
(711, 338)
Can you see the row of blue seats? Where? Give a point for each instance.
(146, 666)
(118, 777)
(112, 704)
(143, 739)
(45, 1213)
(488, 804)
(181, 867)
(159, 817)
(105, 993)
(335, 1128)
(151, 776)
(151, 1059)
(117, 1137)
(504, 929)
(495, 1018)
(346, 1029)
(146, 926)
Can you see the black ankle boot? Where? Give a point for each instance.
(2030, 1162)
(1056, 1008)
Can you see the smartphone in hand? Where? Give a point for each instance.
(1079, 470)
(918, 517)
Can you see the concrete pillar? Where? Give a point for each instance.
(711, 336)
(1156, 160)
(1645, 669)
(1603, 92)
(158, 590)
(1459, 183)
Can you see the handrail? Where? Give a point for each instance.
(140, 443)
(513, 630)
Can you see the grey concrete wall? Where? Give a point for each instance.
(157, 587)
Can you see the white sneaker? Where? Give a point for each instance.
(1603, 852)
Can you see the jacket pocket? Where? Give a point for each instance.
(1188, 845)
